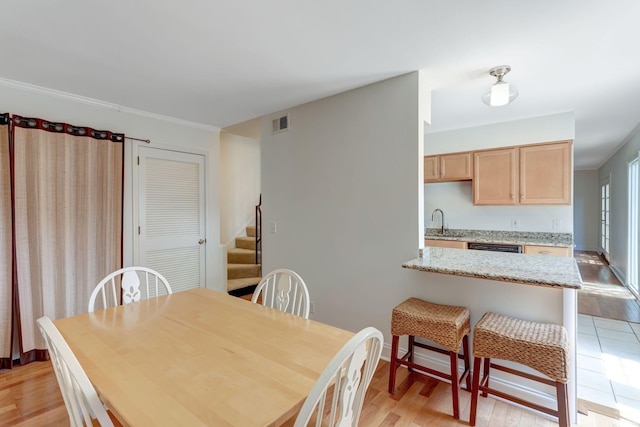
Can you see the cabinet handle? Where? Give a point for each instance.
(522, 196)
(545, 252)
(513, 197)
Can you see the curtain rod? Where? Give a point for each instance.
(138, 139)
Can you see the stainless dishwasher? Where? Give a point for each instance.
(496, 247)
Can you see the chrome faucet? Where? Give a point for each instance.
(433, 217)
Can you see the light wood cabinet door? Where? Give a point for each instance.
(495, 179)
(545, 174)
(431, 170)
(456, 244)
(454, 167)
(548, 250)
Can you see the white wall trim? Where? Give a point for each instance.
(619, 274)
(101, 104)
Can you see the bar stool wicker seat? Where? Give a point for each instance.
(446, 325)
(543, 347)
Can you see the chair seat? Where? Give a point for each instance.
(543, 347)
(443, 324)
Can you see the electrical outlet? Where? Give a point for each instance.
(555, 224)
(274, 227)
(313, 307)
(515, 223)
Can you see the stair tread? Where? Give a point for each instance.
(233, 284)
(246, 242)
(241, 271)
(241, 251)
(239, 266)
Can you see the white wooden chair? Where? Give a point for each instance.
(284, 290)
(154, 284)
(336, 398)
(80, 398)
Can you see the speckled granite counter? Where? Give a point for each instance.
(494, 236)
(539, 270)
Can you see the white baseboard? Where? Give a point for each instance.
(618, 273)
(512, 385)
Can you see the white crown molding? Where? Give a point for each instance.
(27, 87)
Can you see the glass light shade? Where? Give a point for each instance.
(499, 94)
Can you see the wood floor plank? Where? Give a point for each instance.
(30, 398)
(603, 295)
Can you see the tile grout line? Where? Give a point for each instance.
(611, 390)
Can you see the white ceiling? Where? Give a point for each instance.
(223, 62)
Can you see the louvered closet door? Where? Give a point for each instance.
(172, 216)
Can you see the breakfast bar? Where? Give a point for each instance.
(536, 288)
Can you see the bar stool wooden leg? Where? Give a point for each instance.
(485, 372)
(474, 390)
(467, 364)
(393, 364)
(563, 404)
(455, 387)
(412, 346)
(544, 347)
(446, 327)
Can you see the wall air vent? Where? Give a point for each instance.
(281, 124)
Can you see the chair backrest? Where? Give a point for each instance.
(336, 398)
(107, 293)
(80, 398)
(284, 290)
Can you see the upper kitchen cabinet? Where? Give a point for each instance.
(448, 167)
(527, 175)
(495, 177)
(545, 174)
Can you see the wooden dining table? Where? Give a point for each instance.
(201, 358)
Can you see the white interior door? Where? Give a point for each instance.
(171, 225)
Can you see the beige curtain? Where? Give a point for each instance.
(6, 242)
(68, 220)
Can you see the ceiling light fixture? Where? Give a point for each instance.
(500, 93)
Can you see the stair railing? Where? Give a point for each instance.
(259, 233)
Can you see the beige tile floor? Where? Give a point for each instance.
(609, 364)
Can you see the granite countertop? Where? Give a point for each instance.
(538, 270)
(494, 236)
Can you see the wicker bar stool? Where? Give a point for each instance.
(543, 347)
(446, 325)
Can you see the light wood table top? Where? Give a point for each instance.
(201, 358)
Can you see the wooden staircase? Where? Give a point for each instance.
(243, 274)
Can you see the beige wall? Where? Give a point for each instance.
(586, 210)
(239, 185)
(616, 167)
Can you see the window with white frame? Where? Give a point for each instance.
(634, 232)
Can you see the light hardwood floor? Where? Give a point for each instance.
(29, 397)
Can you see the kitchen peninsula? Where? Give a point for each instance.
(530, 287)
